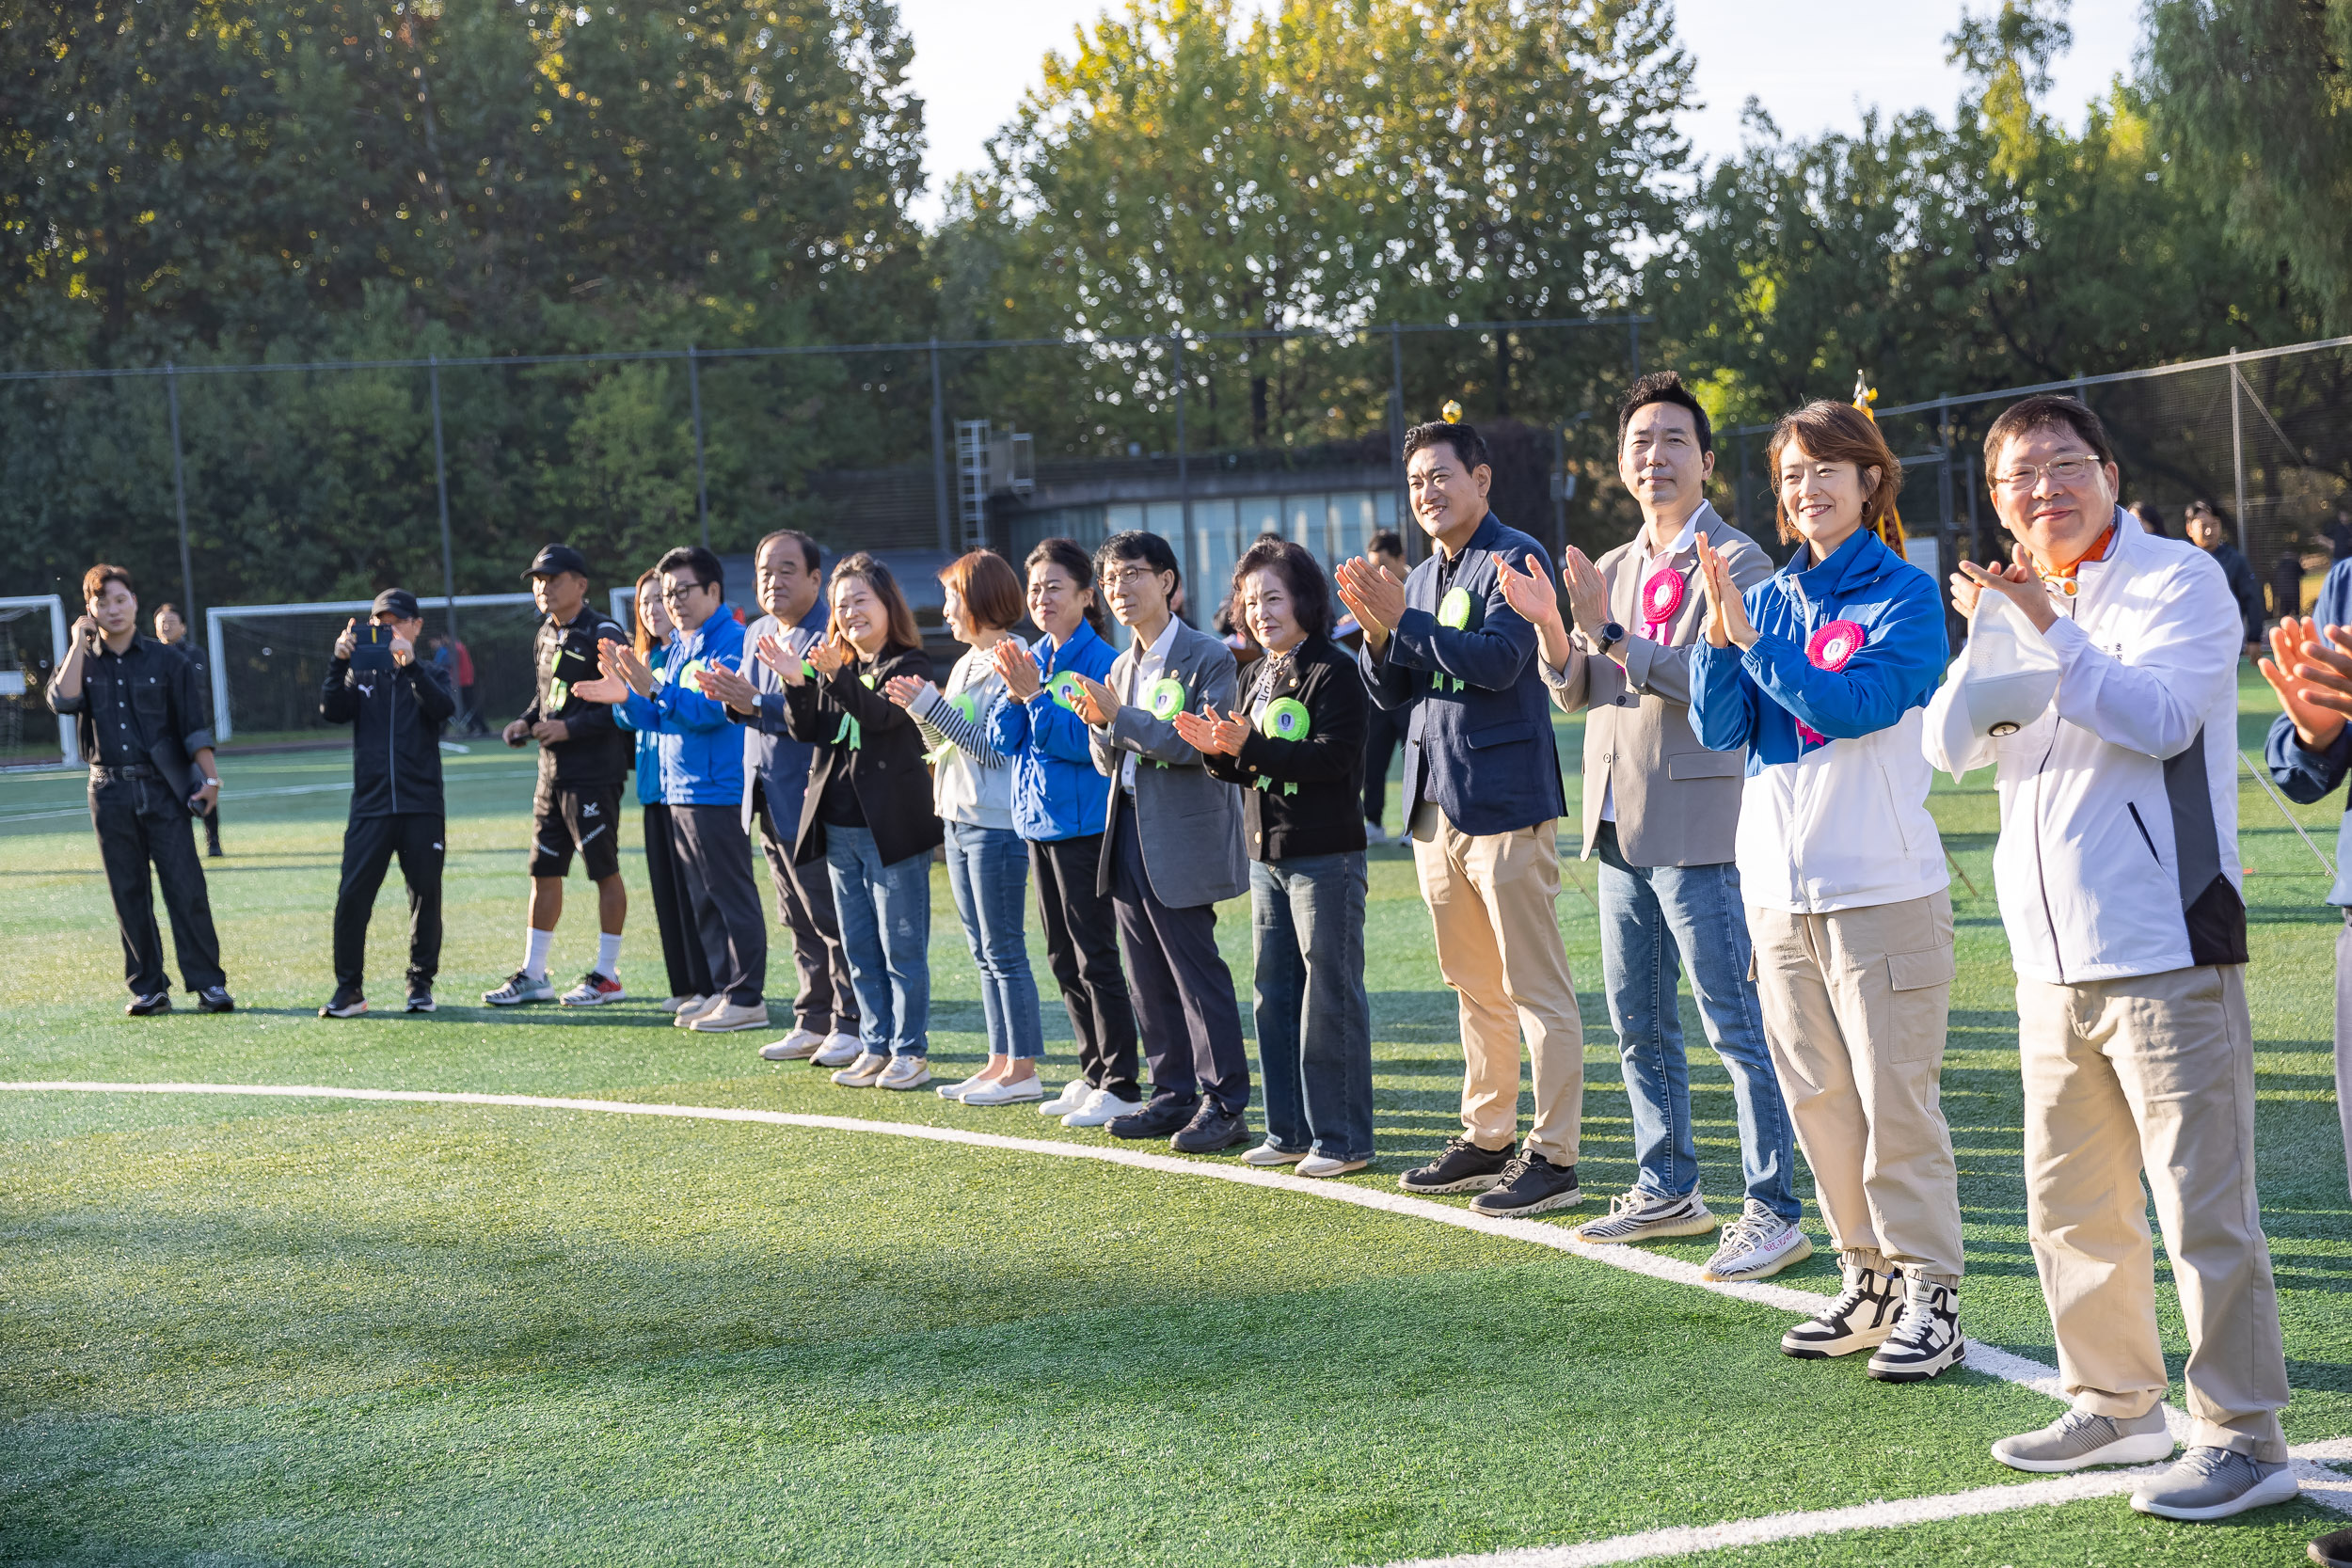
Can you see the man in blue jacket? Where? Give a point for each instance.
(1483, 800)
(396, 716)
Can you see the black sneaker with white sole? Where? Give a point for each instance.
(1860, 1319)
(419, 997)
(345, 1003)
(1926, 1338)
(1463, 1168)
(141, 1006)
(1530, 1185)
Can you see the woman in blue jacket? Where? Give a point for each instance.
(1059, 807)
(682, 956)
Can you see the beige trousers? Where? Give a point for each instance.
(1491, 899)
(1855, 1003)
(2153, 1076)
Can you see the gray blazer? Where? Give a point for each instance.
(1677, 803)
(1188, 822)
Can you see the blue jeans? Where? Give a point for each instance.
(988, 872)
(1651, 918)
(885, 917)
(1314, 1023)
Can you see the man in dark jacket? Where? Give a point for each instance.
(2206, 533)
(396, 705)
(171, 629)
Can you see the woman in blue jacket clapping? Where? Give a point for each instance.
(1059, 807)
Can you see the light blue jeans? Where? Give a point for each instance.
(988, 872)
(1655, 921)
(885, 916)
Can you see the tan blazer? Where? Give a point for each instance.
(1677, 803)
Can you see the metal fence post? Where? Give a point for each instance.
(939, 456)
(180, 496)
(702, 488)
(1183, 470)
(440, 489)
(2237, 449)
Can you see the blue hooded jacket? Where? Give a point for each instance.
(1057, 794)
(700, 749)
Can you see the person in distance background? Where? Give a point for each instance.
(172, 631)
(146, 736)
(1383, 734)
(682, 960)
(2205, 532)
(397, 715)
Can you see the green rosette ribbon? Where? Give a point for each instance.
(1165, 698)
(1065, 688)
(1285, 718)
(1453, 612)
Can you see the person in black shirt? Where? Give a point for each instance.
(147, 735)
(396, 715)
(583, 761)
(173, 629)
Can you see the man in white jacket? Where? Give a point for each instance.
(2118, 873)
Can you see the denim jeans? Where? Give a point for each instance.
(1655, 920)
(988, 872)
(1314, 1023)
(885, 916)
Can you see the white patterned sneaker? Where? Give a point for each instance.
(520, 987)
(904, 1073)
(1925, 1339)
(1756, 1245)
(594, 988)
(1643, 1216)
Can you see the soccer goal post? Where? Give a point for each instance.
(269, 660)
(24, 677)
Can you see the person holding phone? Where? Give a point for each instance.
(147, 735)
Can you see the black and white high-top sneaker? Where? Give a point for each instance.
(1862, 1316)
(1927, 1337)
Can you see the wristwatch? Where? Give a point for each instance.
(1611, 635)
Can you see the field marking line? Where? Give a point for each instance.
(246, 795)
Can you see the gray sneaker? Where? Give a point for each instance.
(2213, 1483)
(1756, 1245)
(2080, 1439)
(1642, 1215)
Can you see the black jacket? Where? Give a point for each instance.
(396, 716)
(168, 704)
(885, 767)
(1324, 813)
(598, 752)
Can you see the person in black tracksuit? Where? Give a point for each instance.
(397, 715)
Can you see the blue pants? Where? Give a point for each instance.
(1314, 1023)
(988, 872)
(1655, 920)
(885, 917)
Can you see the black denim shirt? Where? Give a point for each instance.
(141, 707)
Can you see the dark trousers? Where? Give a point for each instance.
(139, 821)
(1184, 1007)
(1382, 733)
(1082, 947)
(368, 844)
(681, 944)
(824, 1002)
(716, 861)
(212, 830)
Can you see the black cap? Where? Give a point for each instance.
(557, 558)
(398, 603)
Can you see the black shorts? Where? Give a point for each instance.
(583, 816)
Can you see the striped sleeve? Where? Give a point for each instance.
(943, 724)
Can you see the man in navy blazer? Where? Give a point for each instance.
(1483, 800)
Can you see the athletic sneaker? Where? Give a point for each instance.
(419, 998)
(2333, 1550)
(1926, 1336)
(798, 1046)
(861, 1074)
(215, 999)
(1007, 1092)
(594, 988)
(1209, 1131)
(1860, 1317)
(1272, 1153)
(1073, 1097)
(840, 1051)
(1642, 1215)
(1756, 1245)
(520, 987)
(695, 1006)
(140, 1006)
(2079, 1439)
(345, 1003)
(1530, 1185)
(728, 1017)
(1317, 1167)
(1160, 1117)
(904, 1073)
(2213, 1483)
(1101, 1109)
(1462, 1167)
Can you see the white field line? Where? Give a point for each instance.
(245, 795)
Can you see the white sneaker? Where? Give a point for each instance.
(1320, 1165)
(726, 1018)
(1270, 1154)
(963, 1086)
(692, 1009)
(1073, 1097)
(1101, 1109)
(798, 1046)
(840, 1051)
(861, 1074)
(520, 987)
(1007, 1092)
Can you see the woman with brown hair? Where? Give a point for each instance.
(1820, 673)
(689, 970)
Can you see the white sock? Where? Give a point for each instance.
(609, 953)
(535, 955)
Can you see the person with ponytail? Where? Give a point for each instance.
(1821, 673)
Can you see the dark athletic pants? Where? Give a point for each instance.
(1185, 1003)
(715, 859)
(368, 844)
(1381, 733)
(139, 821)
(681, 944)
(1082, 947)
(824, 1004)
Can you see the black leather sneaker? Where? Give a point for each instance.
(1463, 1168)
(420, 996)
(345, 1003)
(140, 1006)
(1531, 1184)
(1162, 1116)
(215, 999)
(1211, 1130)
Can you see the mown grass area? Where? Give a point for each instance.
(280, 1331)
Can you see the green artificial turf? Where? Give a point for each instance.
(240, 1330)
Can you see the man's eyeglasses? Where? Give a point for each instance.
(2064, 473)
(674, 593)
(1126, 576)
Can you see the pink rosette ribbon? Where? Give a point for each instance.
(1662, 596)
(1830, 649)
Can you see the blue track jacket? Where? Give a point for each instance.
(1057, 794)
(700, 750)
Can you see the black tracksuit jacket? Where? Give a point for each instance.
(396, 719)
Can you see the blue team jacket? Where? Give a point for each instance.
(2306, 776)
(1057, 794)
(699, 750)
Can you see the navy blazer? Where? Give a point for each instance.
(780, 762)
(1479, 723)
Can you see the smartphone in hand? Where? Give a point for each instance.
(371, 647)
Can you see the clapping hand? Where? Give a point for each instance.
(1017, 669)
(903, 689)
(722, 684)
(1206, 733)
(785, 663)
(1376, 598)
(1096, 703)
(1528, 593)
(2313, 679)
(829, 654)
(1588, 594)
(2017, 581)
(1727, 611)
(610, 687)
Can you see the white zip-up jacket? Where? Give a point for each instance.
(2118, 852)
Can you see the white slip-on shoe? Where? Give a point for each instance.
(1101, 1109)
(840, 1051)
(1318, 1167)
(1007, 1092)
(904, 1073)
(798, 1046)
(1271, 1153)
(1072, 1097)
(963, 1086)
(861, 1074)
(728, 1018)
(671, 1005)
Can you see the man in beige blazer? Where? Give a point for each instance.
(1661, 811)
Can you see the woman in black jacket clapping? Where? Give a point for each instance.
(1294, 741)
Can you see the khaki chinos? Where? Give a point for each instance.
(2153, 1075)
(1492, 901)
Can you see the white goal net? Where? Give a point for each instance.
(268, 661)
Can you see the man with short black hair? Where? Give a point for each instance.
(583, 762)
(147, 735)
(171, 629)
(2206, 531)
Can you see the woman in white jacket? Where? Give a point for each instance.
(1821, 673)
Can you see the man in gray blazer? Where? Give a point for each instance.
(1173, 848)
(1661, 812)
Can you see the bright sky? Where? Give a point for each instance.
(1816, 64)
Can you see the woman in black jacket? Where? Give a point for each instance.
(868, 812)
(1295, 743)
